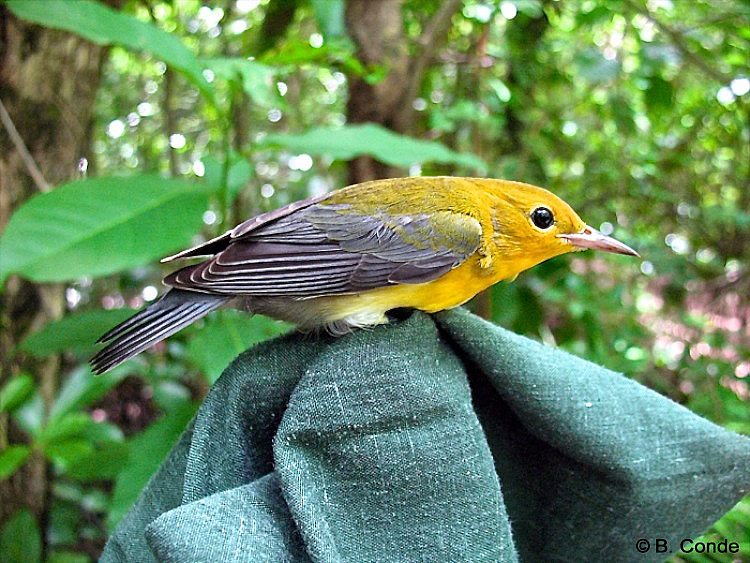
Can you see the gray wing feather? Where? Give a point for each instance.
(305, 249)
(330, 250)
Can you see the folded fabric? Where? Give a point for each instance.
(438, 438)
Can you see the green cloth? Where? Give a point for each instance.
(438, 438)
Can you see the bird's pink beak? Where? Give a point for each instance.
(589, 237)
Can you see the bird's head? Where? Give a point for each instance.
(532, 225)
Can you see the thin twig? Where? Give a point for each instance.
(28, 160)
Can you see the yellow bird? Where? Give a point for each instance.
(342, 260)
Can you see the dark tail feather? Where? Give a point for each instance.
(174, 311)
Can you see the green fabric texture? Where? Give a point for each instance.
(438, 438)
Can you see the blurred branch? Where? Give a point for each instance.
(483, 61)
(678, 40)
(434, 33)
(718, 18)
(28, 160)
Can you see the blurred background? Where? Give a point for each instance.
(133, 128)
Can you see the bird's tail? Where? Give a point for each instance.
(175, 310)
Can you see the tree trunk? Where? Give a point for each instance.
(378, 32)
(48, 82)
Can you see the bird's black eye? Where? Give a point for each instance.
(542, 217)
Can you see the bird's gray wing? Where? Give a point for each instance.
(327, 249)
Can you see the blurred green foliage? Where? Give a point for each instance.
(636, 113)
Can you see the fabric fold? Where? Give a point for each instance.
(246, 524)
(598, 460)
(381, 457)
(438, 438)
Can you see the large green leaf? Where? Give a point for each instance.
(62, 428)
(21, 539)
(103, 25)
(70, 438)
(227, 334)
(75, 333)
(146, 452)
(99, 226)
(65, 453)
(103, 457)
(104, 463)
(345, 143)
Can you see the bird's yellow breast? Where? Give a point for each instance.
(450, 290)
